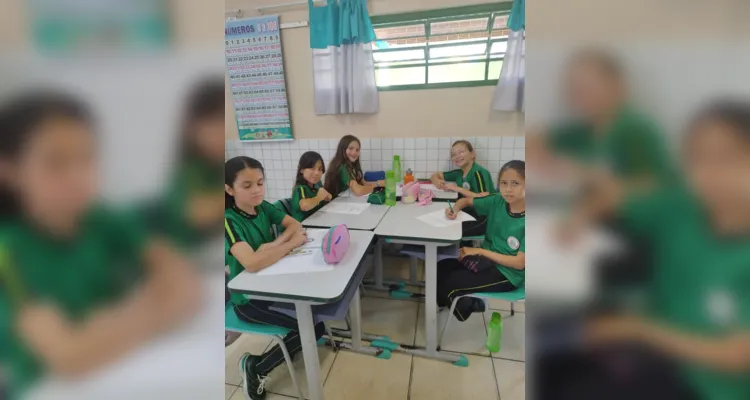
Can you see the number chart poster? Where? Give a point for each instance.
(256, 76)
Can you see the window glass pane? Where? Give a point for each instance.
(395, 64)
(499, 48)
(464, 25)
(391, 56)
(456, 59)
(501, 22)
(393, 32)
(400, 76)
(457, 72)
(460, 50)
(495, 68)
(458, 38)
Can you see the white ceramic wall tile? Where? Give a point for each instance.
(422, 155)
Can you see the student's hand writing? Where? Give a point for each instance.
(468, 251)
(450, 213)
(323, 195)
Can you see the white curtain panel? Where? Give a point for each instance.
(344, 80)
(509, 91)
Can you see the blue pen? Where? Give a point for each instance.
(451, 207)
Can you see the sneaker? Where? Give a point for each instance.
(253, 385)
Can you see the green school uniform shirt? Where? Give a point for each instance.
(303, 192)
(631, 147)
(478, 179)
(506, 233)
(701, 282)
(255, 230)
(346, 175)
(168, 215)
(94, 269)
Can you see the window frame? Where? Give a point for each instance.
(425, 18)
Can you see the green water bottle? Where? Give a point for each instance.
(494, 332)
(397, 168)
(390, 188)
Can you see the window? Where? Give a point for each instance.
(454, 47)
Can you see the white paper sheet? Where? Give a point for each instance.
(346, 208)
(300, 264)
(439, 220)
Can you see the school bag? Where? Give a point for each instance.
(335, 244)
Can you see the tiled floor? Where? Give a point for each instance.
(349, 375)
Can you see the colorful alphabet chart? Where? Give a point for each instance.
(256, 76)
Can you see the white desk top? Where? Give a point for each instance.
(150, 372)
(558, 273)
(315, 287)
(368, 220)
(402, 222)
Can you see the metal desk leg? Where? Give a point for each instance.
(355, 315)
(309, 350)
(379, 265)
(431, 299)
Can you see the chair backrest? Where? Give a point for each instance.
(285, 206)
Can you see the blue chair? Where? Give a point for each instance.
(515, 296)
(233, 324)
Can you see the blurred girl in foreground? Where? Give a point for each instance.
(80, 284)
(700, 290)
(192, 208)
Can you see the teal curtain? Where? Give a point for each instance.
(517, 17)
(339, 22)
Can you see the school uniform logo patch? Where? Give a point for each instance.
(466, 186)
(721, 307)
(514, 243)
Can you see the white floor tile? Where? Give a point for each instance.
(511, 379)
(281, 383)
(363, 377)
(432, 379)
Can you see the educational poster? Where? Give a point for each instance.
(256, 76)
(101, 26)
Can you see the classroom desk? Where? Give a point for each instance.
(366, 221)
(401, 225)
(306, 290)
(187, 363)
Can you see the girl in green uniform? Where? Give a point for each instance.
(190, 210)
(604, 130)
(81, 285)
(499, 265)
(345, 171)
(250, 246)
(470, 180)
(308, 195)
(699, 311)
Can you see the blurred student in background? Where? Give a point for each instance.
(604, 129)
(192, 208)
(699, 295)
(81, 285)
(605, 133)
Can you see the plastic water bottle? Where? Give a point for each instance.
(494, 332)
(390, 188)
(397, 168)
